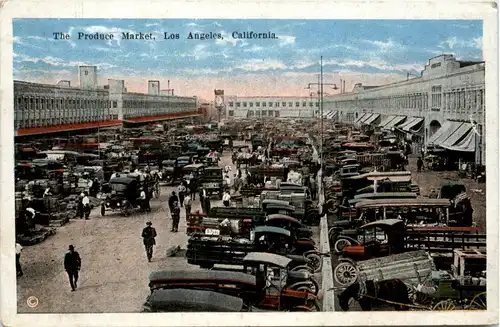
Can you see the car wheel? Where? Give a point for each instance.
(340, 244)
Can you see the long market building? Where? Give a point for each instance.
(44, 108)
(444, 107)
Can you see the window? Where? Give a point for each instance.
(283, 104)
(297, 104)
(86, 73)
(250, 104)
(115, 104)
(317, 104)
(244, 104)
(277, 104)
(270, 104)
(290, 104)
(310, 104)
(231, 113)
(270, 113)
(436, 98)
(257, 104)
(263, 104)
(304, 104)
(250, 113)
(231, 103)
(238, 104)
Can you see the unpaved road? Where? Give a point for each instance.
(115, 270)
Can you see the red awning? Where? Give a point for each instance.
(67, 127)
(176, 115)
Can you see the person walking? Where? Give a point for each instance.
(148, 238)
(182, 190)
(176, 212)
(72, 265)
(420, 164)
(193, 187)
(86, 205)
(171, 200)
(187, 204)
(19, 270)
(226, 197)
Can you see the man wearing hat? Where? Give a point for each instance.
(148, 237)
(72, 264)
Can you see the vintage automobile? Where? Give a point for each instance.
(271, 206)
(123, 195)
(209, 249)
(252, 285)
(289, 223)
(193, 169)
(189, 300)
(212, 181)
(169, 171)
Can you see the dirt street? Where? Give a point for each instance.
(115, 270)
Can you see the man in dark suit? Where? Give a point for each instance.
(148, 237)
(72, 264)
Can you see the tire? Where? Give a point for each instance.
(315, 262)
(309, 285)
(345, 273)
(303, 268)
(340, 244)
(103, 210)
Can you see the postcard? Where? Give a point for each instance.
(221, 163)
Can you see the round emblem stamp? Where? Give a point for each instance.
(32, 302)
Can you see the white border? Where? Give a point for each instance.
(244, 9)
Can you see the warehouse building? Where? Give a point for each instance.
(444, 107)
(43, 108)
(271, 106)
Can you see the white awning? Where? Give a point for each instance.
(361, 117)
(444, 132)
(394, 122)
(410, 123)
(331, 114)
(457, 135)
(371, 119)
(366, 117)
(385, 120)
(467, 144)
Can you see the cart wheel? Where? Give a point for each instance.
(340, 244)
(315, 261)
(422, 299)
(445, 305)
(103, 210)
(478, 302)
(345, 273)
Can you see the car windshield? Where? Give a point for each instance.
(118, 187)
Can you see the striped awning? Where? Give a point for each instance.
(371, 119)
(331, 114)
(362, 117)
(385, 120)
(410, 123)
(456, 136)
(394, 122)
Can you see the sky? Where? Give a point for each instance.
(372, 52)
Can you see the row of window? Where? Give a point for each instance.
(136, 112)
(47, 103)
(271, 104)
(32, 121)
(157, 104)
(455, 100)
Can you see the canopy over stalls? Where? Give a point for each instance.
(371, 119)
(362, 117)
(410, 124)
(385, 120)
(394, 122)
(331, 114)
(455, 136)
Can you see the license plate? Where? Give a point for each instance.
(210, 231)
